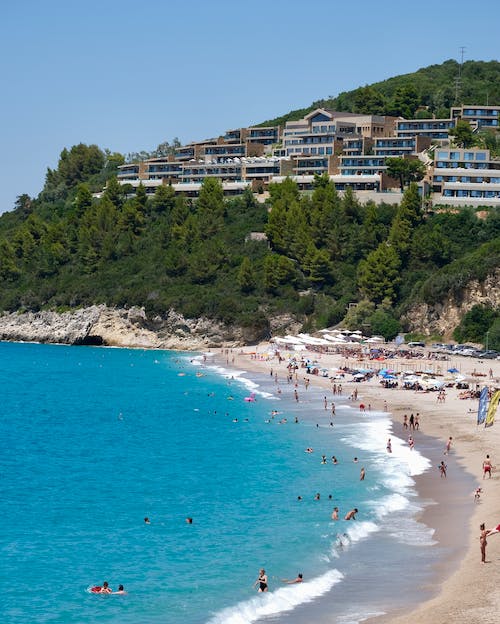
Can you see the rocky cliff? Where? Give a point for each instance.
(100, 325)
(441, 318)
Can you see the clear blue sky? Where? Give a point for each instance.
(128, 75)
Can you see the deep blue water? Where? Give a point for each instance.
(94, 440)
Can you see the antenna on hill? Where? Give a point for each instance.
(458, 79)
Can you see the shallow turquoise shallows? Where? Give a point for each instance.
(93, 440)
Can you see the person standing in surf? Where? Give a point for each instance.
(262, 581)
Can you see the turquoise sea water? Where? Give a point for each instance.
(94, 440)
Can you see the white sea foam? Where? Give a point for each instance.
(276, 602)
(390, 504)
(398, 466)
(397, 470)
(358, 531)
(232, 374)
(409, 531)
(358, 616)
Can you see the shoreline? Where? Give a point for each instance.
(462, 589)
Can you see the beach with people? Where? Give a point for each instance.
(281, 483)
(463, 589)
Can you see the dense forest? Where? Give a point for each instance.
(323, 252)
(421, 94)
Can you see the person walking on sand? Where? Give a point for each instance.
(389, 446)
(405, 421)
(483, 542)
(262, 581)
(487, 467)
(442, 469)
(448, 446)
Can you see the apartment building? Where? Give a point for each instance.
(352, 149)
(317, 134)
(465, 177)
(434, 129)
(480, 117)
(401, 146)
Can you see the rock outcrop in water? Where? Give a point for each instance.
(100, 325)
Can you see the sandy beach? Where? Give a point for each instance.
(466, 591)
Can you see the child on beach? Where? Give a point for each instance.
(442, 469)
(448, 446)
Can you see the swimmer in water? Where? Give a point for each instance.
(299, 579)
(106, 589)
(120, 590)
(351, 515)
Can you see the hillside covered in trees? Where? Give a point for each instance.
(66, 249)
(424, 93)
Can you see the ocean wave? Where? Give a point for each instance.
(390, 504)
(276, 602)
(238, 376)
(399, 466)
(361, 530)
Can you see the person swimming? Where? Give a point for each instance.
(299, 579)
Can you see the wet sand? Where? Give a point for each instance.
(464, 590)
